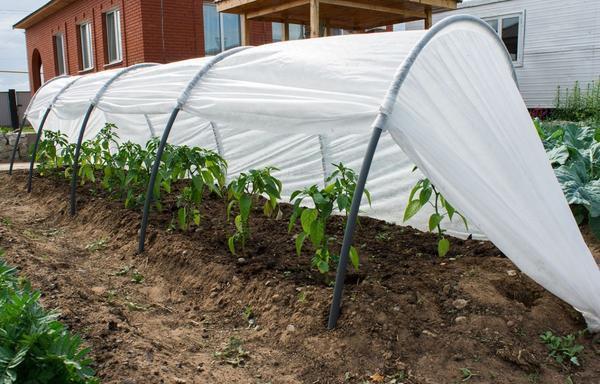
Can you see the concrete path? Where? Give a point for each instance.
(4, 166)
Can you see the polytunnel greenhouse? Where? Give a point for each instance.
(445, 100)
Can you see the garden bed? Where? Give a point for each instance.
(170, 314)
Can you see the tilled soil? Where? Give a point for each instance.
(407, 317)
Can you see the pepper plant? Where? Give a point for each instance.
(424, 193)
(206, 170)
(338, 193)
(54, 152)
(243, 192)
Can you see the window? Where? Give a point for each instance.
(296, 31)
(222, 31)
(114, 51)
(87, 54)
(510, 29)
(59, 54)
(277, 32)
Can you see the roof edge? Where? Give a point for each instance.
(51, 7)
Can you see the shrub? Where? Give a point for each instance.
(243, 192)
(442, 209)
(34, 346)
(337, 194)
(574, 152)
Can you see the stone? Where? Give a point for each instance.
(291, 328)
(459, 303)
(460, 319)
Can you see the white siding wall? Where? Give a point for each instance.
(561, 45)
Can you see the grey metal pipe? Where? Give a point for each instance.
(350, 227)
(35, 148)
(16, 146)
(155, 168)
(386, 110)
(86, 119)
(76, 160)
(180, 103)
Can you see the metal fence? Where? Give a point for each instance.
(12, 107)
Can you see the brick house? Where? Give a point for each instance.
(83, 36)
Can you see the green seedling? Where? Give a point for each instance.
(424, 193)
(338, 193)
(243, 192)
(563, 349)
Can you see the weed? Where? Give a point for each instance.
(467, 374)
(233, 353)
(123, 271)
(383, 236)
(137, 277)
(577, 104)
(97, 245)
(562, 349)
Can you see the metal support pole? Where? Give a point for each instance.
(350, 226)
(35, 148)
(76, 160)
(155, 168)
(16, 146)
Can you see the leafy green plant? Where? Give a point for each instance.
(137, 277)
(54, 152)
(576, 104)
(34, 346)
(233, 354)
(425, 193)
(243, 192)
(574, 152)
(206, 170)
(338, 193)
(96, 154)
(562, 349)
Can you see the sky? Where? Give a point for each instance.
(13, 56)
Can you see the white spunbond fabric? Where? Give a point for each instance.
(486, 157)
(303, 105)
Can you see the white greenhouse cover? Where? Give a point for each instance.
(303, 105)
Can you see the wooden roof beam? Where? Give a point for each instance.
(276, 8)
(450, 4)
(376, 8)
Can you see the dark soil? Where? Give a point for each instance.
(406, 316)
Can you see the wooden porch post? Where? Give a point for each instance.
(428, 18)
(245, 29)
(315, 24)
(285, 36)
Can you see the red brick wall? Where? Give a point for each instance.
(142, 26)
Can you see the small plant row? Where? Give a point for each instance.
(123, 170)
(34, 346)
(577, 104)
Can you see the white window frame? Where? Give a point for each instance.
(86, 45)
(115, 14)
(521, 32)
(63, 52)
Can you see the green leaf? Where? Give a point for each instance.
(595, 226)
(229, 207)
(578, 188)
(239, 224)
(354, 258)
(245, 206)
(425, 195)
(323, 266)
(181, 217)
(299, 242)
(434, 221)
(231, 244)
(307, 218)
(317, 232)
(443, 247)
(411, 209)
